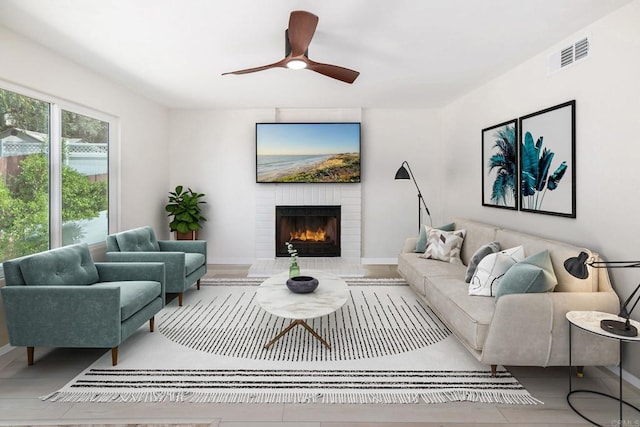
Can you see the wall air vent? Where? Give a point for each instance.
(568, 55)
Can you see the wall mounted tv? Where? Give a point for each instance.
(307, 152)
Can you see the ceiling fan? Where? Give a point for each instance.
(302, 25)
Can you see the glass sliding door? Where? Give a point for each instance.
(24, 175)
(54, 174)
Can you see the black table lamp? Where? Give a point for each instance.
(577, 267)
(406, 173)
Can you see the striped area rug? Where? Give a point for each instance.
(387, 347)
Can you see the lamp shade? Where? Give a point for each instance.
(402, 173)
(577, 266)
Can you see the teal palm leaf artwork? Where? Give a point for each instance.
(504, 163)
(534, 176)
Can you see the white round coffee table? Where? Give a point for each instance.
(274, 297)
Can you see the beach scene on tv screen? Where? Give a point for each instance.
(308, 152)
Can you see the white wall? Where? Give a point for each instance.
(144, 149)
(607, 95)
(224, 169)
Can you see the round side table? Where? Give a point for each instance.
(590, 321)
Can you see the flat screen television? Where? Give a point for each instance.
(307, 152)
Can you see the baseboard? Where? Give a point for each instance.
(6, 349)
(626, 375)
(379, 261)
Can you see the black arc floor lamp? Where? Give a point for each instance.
(406, 173)
(577, 267)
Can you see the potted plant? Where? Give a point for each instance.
(185, 212)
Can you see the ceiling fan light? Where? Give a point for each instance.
(296, 64)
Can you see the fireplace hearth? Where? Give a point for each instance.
(313, 230)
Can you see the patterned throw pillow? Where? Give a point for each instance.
(491, 268)
(444, 245)
(478, 256)
(421, 243)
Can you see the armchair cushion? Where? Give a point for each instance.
(69, 265)
(141, 239)
(134, 295)
(192, 262)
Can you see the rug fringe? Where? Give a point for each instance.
(300, 397)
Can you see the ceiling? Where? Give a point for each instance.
(410, 53)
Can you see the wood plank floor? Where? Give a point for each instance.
(21, 387)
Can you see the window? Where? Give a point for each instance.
(54, 175)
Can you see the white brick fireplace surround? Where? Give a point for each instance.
(348, 196)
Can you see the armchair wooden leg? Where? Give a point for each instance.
(114, 356)
(198, 284)
(580, 371)
(494, 370)
(152, 324)
(30, 356)
(180, 299)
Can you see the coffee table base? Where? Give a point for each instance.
(291, 326)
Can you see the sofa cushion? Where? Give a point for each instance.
(445, 245)
(469, 316)
(421, 243)
(482, 252)
(138, 240)
(134, 295)
(415, 270)
(491, 268)
(192, 262)
(69, 265)
(533, 274)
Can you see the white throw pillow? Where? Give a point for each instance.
(444, 245)
(492, 267)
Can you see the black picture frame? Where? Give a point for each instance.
(500, 175)
(547, 142)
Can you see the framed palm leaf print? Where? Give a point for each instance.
(547, 161)
(500, 165)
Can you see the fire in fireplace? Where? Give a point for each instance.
(313, 230)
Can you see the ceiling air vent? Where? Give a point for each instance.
(569, 55)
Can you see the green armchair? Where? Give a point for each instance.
(61, 298)
(185, 260)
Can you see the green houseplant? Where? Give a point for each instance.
(185, 212)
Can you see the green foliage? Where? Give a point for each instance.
(184, 207)
(24, 205)
(86, 128)
(22, 112)
(504, 161)
(535, 180)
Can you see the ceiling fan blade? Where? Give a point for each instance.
(302, 26)
(281, 63)
(340, 73)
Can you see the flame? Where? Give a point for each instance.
(308, 235)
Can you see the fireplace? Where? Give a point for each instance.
(313, 230)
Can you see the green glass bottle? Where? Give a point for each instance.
(294, 270)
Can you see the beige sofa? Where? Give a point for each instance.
(520, 329)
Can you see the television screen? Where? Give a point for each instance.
(308, 152)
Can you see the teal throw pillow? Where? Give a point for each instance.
(423, 237)
(482, 252)
(532, 275)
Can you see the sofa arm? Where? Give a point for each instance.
(193, 246)
(532, 330)
(61, 316)
(409, 245)
(125, 271)
(174, 265)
